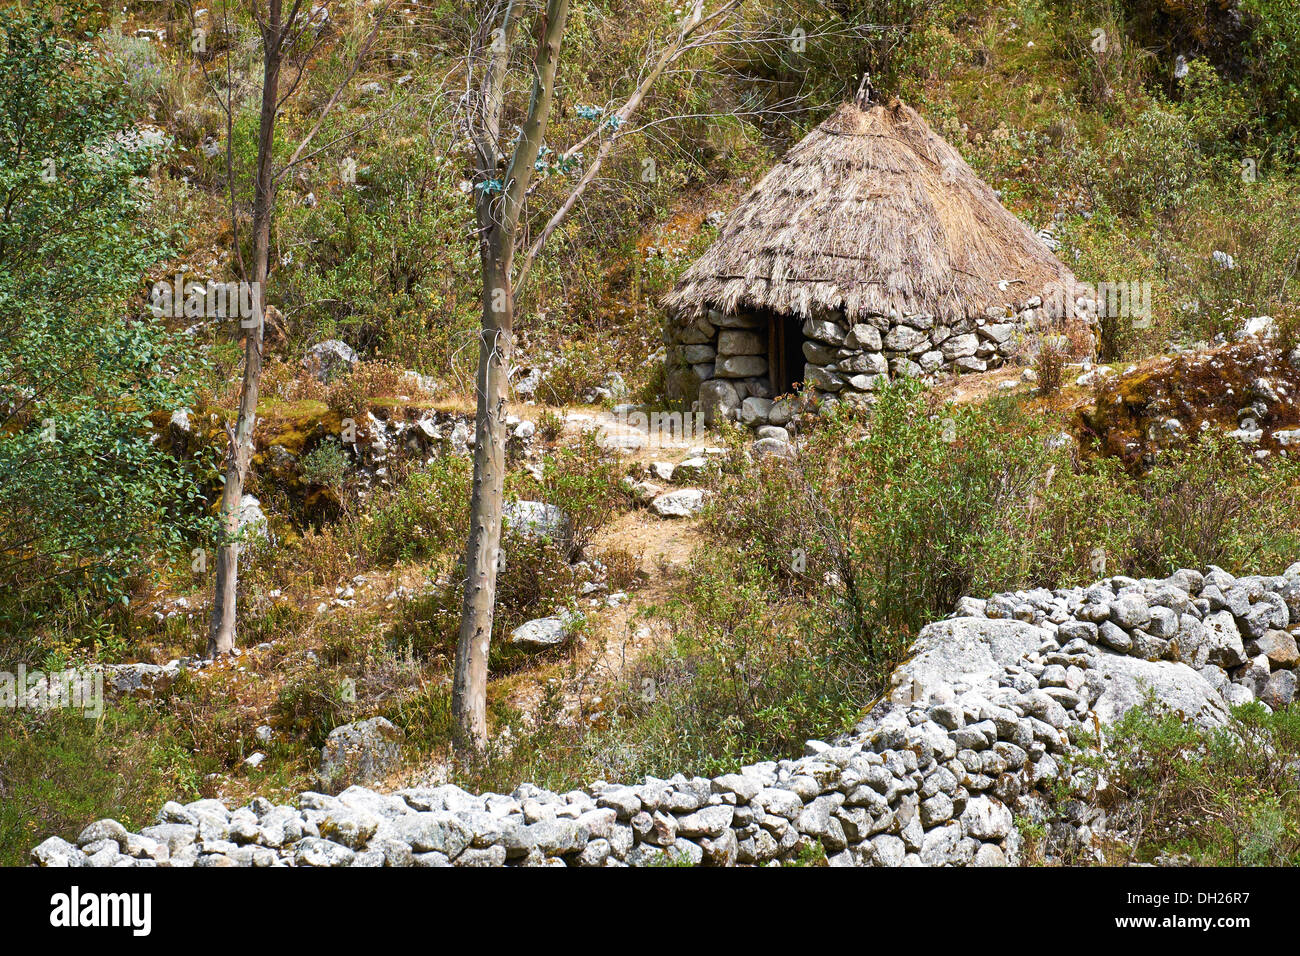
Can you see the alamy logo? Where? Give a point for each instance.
(211, 300)
(78, 688)
(76, 909)
(663, 428)
(1108, 299)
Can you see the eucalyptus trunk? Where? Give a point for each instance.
(221, 633)
(498, 210)
(483, 551)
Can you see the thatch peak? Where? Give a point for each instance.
(871, 212)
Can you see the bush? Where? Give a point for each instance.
(59, 771)
(1227, 796)
(584, 481)
(1049, 364)
(927, 504)
(90, 499)
(823, 568)
(1210, 503)
(754, 669)
(427, 516)
(325, 465)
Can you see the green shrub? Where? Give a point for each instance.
(312, 703)
(928, 503)
(59, 771)
(90, 497)
(754, 669)
(1211, 503)
(427, 516)
(821, 569)
(137, 66)
(1226, 796)
(325, 465)
(584, 480)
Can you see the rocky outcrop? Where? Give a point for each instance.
(1246, 391)
(986, 712)
(330, 359)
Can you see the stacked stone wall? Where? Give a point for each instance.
(721, 359)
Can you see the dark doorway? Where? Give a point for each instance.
(785, 354)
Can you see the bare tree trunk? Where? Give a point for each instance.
(469, 688)
(498, 221)
(221, 633)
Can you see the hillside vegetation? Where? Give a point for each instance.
(1153, 141)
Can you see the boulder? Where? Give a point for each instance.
(329, 359)
(966, 653)
(865, 337)
(57, 852)
(740, 366)
(684, 503)
(829, 332)
(960, 346)
(536, 519)
(987, 819)
(542, 633)
(741, 342)
(252, 520)
(719, 401)
(1279, 689)
(1127, 681)
(754, 411)
(1280, 648)
(904, 338)
(360, 752)
(1223, 640)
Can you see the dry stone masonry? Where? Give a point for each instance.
(986, 712)
(723, 357)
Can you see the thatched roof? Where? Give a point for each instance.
(871, 210)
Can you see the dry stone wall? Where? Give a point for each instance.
(722, 358)
(985, 712)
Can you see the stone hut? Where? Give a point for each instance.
(871, 251)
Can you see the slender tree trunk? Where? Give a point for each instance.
(482, 561)
(498, 221)
(221, 633)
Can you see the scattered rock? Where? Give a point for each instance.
(330, 359)
(684, 503)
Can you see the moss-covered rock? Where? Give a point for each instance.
(1247, 389)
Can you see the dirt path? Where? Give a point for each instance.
(617, 631)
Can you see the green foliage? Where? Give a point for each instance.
(822, 569)
(60, 770)
(425, 517)
(584, 480)
(311, 704)
(1273, 66)
(1210, 504)
(905, 518)
(754, 669)
(327, 465)
(88, 497)
(812, 853)
(838, 42)
(1220, 797)
(383, 263)
(136, 66)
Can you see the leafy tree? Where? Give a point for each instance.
(89, 494)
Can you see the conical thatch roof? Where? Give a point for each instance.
(872, 210)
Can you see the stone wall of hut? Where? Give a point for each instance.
(721, 359)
